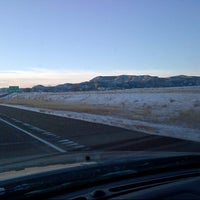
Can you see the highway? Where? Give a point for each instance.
(15, 143)
(26, 133)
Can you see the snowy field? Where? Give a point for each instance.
(172, 112)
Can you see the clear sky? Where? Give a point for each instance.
(57, 41)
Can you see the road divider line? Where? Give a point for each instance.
(35, 137)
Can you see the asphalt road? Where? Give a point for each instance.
(25, 133)
(15, 143)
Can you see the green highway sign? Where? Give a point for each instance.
(12, 89)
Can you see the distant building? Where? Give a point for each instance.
(12, 89)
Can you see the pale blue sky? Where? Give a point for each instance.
(58, 41)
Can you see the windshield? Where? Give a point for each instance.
(87, 81)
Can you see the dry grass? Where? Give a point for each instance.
(189, 118)
(171, 100)
(75, 107)
(158, 113)
(146, 128)
(192, 89)
(120, 110)
(196, 103)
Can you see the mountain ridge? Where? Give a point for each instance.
(122, 82)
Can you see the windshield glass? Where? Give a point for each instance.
(84, 81)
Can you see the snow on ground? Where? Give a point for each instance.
(147, 127)
(173, 112)
(155, 105)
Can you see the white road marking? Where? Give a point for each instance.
(48, 133)
(71, 144)
(79, 146)
(35, 137)
(68, 142)
(65, 140)
(35, 128)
